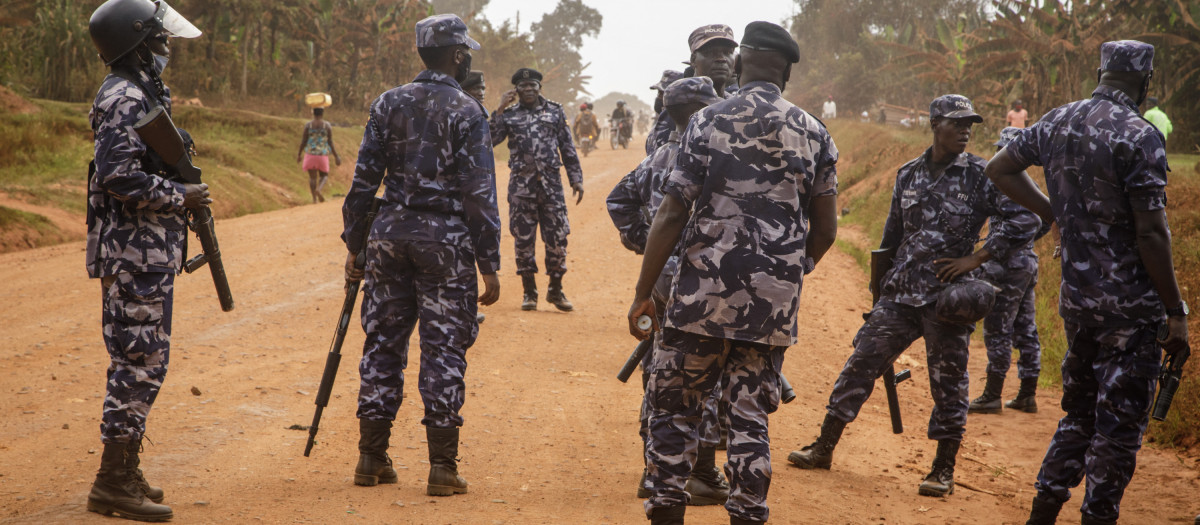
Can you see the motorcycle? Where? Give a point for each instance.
(586, 144)
(620, 133)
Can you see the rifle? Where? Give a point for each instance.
(339, 335)
(786, 393)
(159, 133)
(1168, 379)
(881, 262)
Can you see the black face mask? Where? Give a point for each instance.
(658, 105)
(464, 69)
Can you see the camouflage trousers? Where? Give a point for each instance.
(687, 369)
(889, 330)
(1012, 323)
(1108, 378)
(406, 283)
(525, 215)
(137, 334)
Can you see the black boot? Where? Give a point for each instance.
(667, 515)
(135, 448)
(1088, 519)
(820, 453)
(554, 295)
(443, 463)
(117, 491)
(1026, 400)
(706, 485)
(989, 402)
(529, 302)
(940, 481)
(1045, 511)
(739, 521)
(374, 464)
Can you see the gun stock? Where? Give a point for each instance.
(159, 133)
(1168, 379)
(881, 262)
(334, 358)
(786, 393)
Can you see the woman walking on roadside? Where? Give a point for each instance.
(315, 146)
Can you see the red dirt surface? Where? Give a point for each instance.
(550, 435)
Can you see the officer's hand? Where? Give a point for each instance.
(577, 191)
(638, 309)
(491, 289)
(353, 274)
(951, 269)
(195, 196)
(507, 99)
(1177, 335)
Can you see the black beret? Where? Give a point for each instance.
(474, 78)
(765, 36)
(526, 73)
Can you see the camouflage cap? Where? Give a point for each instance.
(668, 76)
(526, 73)
(443, 30)
(965, 302)
(474, 78)
(705, 34)
(1007, 135)
(694, 89)
(953, 106)
(1127, 55)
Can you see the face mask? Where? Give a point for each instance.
(159, 64)
(658, 105)
(464, 69)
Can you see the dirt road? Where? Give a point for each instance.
(550, 435)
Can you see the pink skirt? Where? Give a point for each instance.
(316, 162)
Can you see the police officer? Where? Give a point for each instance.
(136, 232)
(1012, 323)
(939, 204)
(712, 49)
(1106, 170)
(632, 205)
(428, 143)
(743, 196)
(660, 124)
(475, 86)
(537, 132)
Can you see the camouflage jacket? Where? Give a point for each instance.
(635, 199)
(663, 126)
(939, 218)
(135, 218)
(428, 143)
(1103, 162)
(748, 168)
(535, 137)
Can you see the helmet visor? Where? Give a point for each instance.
(174, 23)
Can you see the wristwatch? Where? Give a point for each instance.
(1179, 311)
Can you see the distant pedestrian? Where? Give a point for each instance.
(1156, 116)
(1106, 173)
(1016, 117)
(829, 109)
(316, 143)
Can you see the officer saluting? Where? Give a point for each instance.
(427, 142)
(136, 232)
(1106, 170)
(754, 187)
(537, 132)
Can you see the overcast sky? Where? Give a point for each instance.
(641, 38)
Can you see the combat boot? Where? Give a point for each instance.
(1045, 511)
(989, 402)
(554, 295)
(940, 481)
(131, 458)
(443, 463)
(820, 453)
(741, 521)
(374, 464)
(1088, 519)
(706, 485)
(1026, 400)
(667, 515)
(117, 491)
(529, 301)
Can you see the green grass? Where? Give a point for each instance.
(870, 156)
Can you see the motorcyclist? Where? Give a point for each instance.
(586, 124)
(622, 115)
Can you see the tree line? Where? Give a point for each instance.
(1042, 52)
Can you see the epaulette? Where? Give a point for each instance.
(553, 103)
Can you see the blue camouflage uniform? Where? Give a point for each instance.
(136, 235)
(660, 132)
(1103, 162)
(748, 168)
(536, 136)
(1012, 322)
(930, 218)
(428, 143)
